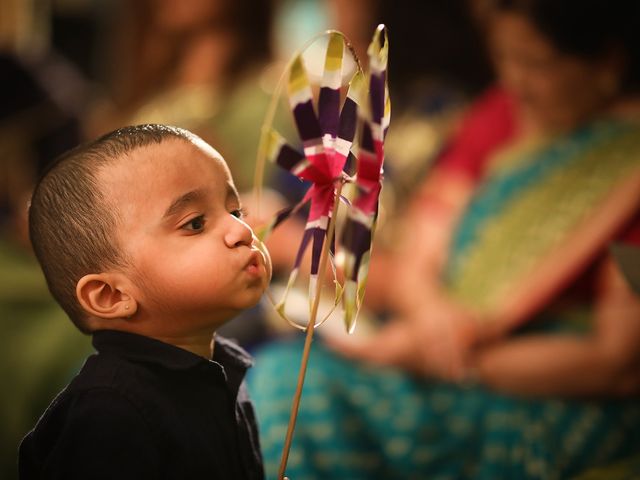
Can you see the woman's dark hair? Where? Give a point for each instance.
(586, 28)
(435, 40)
(253, 21)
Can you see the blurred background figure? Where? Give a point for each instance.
(514, 347)
(198, 64)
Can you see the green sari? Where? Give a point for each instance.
(362, 422)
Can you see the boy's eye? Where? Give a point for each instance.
(239, 213)
(196, 224)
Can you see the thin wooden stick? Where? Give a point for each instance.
(309, 337)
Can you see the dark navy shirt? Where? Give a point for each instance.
(143, 409)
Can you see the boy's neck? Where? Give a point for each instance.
(202, 345)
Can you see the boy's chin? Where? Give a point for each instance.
(253, 296)
(258, 295)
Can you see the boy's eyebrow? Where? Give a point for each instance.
(182, 200)
(232, 194)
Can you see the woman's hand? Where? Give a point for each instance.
(603, 362)
(435, 341)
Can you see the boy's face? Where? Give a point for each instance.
(189, 254)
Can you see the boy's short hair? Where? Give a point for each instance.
(71, 230)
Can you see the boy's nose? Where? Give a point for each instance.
(239, 234)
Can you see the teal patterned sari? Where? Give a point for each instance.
(362, 422)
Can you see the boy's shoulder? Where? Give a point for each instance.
(148, 403)
(101, 389)
(110, 387)
(102, 376)
(115, 399)
(142, 404)
(93, 410)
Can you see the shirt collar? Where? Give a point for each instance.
(233, 359)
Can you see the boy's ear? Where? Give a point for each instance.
(105, 295)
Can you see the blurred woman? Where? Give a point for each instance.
(516, 349)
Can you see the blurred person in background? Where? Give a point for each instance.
(516, 346)
(197, 64)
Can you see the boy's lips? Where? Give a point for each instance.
(253, 265)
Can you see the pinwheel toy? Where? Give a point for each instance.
(328, 141)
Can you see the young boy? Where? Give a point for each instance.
(141, 240)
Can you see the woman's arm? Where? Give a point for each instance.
(607, 362)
